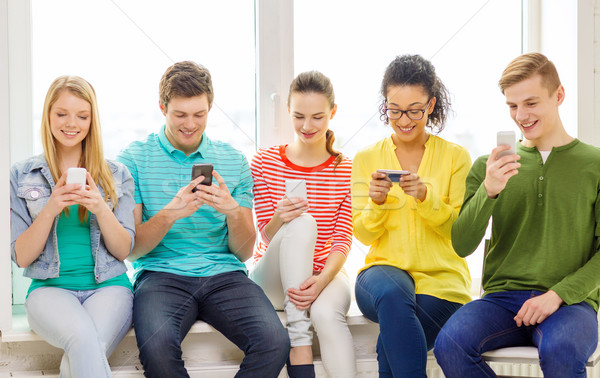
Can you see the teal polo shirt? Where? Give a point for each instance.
(197, 245)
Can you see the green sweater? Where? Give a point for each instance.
(545, 224)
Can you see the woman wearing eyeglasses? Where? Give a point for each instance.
(413, 281)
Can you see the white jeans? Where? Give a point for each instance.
(287, 263)
(88, 325)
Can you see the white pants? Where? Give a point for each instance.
(287, 263)
(87, 324)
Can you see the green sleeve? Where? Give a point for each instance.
(579, 285)
(470, 226)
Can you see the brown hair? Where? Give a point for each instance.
(316, 82)
(92, 157)
(185, 79)
(527, 65)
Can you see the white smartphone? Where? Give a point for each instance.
(76, 176)
(295, 188)
(393, 174)
(507, 138)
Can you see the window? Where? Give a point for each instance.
(123, 47)
(125, 61)
(355, 46)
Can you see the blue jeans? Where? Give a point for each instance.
(167, 305)
(565, 340)
(408, 322)
(87, 324)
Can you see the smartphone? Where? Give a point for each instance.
(76, 176)
(295, 189)
(507, 138)
(202, 170)
(393, 174)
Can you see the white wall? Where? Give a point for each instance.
(5, 271)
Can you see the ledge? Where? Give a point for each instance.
(21, 331)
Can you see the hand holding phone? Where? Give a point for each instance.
(76, 176)
(295, 189)
(202, 170)
(506, 138)
(393, 174)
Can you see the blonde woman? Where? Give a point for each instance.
(72, 240)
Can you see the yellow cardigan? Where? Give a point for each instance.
(412, 235)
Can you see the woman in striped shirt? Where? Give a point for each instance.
(304, 241)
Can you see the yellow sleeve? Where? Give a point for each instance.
(440, 215)
(368, 218)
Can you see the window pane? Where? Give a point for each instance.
(123, 48)
(469, 44)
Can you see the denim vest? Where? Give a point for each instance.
(31, 184)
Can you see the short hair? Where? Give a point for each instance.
(527, 65)
(418, 71)
(185, 79)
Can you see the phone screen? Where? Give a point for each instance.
(507, 138)
(202, 170)
(295, 188)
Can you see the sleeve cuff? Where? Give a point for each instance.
(340, 249)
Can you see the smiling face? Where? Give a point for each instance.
(409, 97)
(310, 114)
(186, 119)
(70, 120)
(535, 110)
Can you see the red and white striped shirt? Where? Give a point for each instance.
(328, 193)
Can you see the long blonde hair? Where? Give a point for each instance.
(92, 156)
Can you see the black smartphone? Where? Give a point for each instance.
(202, 170)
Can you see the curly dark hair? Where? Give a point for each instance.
(416, 70)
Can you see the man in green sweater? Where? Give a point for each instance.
(541, 273)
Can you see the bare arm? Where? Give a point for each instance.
(309, 290)
(242, 234)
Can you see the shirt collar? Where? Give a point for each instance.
(164, 142)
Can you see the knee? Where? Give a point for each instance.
(157, 344)
(305, 224)
(325, 318)
(563, 357)
(398, 299)
(450, 343)
(81, 334)
(273, 341)
(443, 346)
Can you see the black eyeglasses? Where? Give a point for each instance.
(414, 114)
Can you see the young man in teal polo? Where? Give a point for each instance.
(190, 245)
